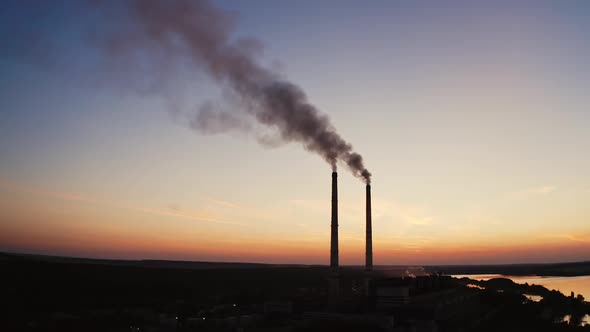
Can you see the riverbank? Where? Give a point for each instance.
(571, 269)
(565, 285)
(538, 302)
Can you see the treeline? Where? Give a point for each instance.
(557, 269)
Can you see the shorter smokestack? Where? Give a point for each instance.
(334, 224)
(369, 239)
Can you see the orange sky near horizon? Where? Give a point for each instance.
(77, 225)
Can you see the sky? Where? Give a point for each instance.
(472, 117)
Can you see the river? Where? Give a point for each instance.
(566, 285)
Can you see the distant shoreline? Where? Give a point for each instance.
(568, 269)
(515, 275)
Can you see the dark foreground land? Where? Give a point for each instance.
(40, 293)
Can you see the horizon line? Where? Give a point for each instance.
(280, 264)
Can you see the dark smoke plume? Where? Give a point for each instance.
(210, 120)
(204, 33)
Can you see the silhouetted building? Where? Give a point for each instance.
(420, 303)
(278, 307)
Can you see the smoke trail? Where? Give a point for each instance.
(211, 120)
(204, 32)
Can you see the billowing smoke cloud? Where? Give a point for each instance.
(211, 120)
(159, 37)
(196, 27)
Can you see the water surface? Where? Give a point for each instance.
(566, 285)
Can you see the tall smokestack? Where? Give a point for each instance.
(334, 225)
(369, 244)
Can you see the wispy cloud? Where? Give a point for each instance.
(66, 196)
(219, 202)
(532, 192)
(407, 213)
(75, 197)
(182, 214)
(421, 220)
(410, 214)
(570, 237)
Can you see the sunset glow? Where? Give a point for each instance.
(473, 120)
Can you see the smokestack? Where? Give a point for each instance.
(369, 244)
(334, 225)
